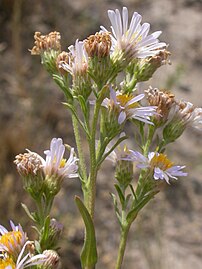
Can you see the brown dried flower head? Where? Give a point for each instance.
(63, 58)
(28, 163)
(98, 45)
(160, 59)
(46, 42)
(163, 99)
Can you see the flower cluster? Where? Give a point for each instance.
(103, 70)
(41, 174)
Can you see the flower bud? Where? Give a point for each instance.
(55, 232)
(124, 173)
(52, 261)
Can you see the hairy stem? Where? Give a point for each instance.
(91, 188)
(122, 246)
(82, 164)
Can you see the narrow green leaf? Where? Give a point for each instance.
(29, 214)
(89, 251)
(120, 194)
(117, 211)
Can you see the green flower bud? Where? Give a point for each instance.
(124, 173)
(173, 130)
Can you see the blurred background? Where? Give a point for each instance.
(168, 233)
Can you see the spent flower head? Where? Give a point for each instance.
(163, 100)
(183, 115)
(160, 166)
(132, 41)
(98, 45)
(30, 167)
(44, 43)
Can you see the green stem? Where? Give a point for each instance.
(122, 246)
(91, 187)
(82, 164)
(149, 140)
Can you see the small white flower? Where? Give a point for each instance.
(56, 164)
(133, 40)
(78, 59)
(162, 167)
(129, 107)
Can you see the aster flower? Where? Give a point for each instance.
(162, 167)
(132, 40)
(23, 260)
(55, 164)
(78, 60)
(128, 106)
(12, 241)
(123, 159)
(121, 152)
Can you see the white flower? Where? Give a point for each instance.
(56, 164)
(162, 167)
(78, 59)
(133, 40)
(128, 107)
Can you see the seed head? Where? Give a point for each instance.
(46, 42)
(98, 45)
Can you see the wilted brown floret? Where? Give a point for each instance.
(63, 57)
(162, 99)
(98, 45)
(28, 163)
(160, 59)
(46, 42)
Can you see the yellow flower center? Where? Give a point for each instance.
(161, 161)
(62, 163)
(7, 263)
(11, 239)
(123, 99)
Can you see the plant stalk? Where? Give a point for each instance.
(122, 246)
(79, 148)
